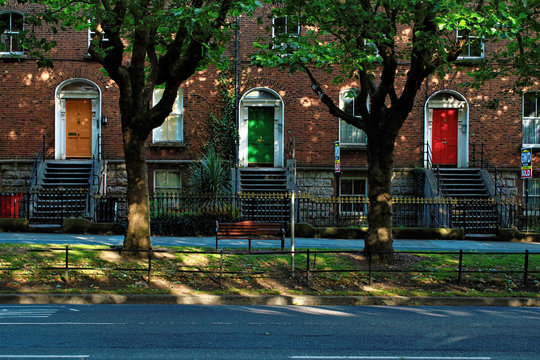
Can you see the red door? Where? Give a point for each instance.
(444, 136)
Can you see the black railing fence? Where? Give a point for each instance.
(271, 207)
(65, 261)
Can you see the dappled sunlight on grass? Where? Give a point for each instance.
(184, 271)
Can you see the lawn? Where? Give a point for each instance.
(184, 270)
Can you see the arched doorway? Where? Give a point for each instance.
(446, 129)
(77, 112)
(261, 129)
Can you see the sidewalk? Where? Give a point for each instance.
(399, 244)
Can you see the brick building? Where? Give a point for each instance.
(282, 125)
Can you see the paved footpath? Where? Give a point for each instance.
(481, 245)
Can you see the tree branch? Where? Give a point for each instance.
(332, 107)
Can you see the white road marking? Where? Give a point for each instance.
(393, 357)
(59, 323)
(10, 312)
(44, 356)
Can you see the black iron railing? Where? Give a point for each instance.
(271, 207)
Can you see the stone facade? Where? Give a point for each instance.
(14, 175)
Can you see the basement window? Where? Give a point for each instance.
(353, 193)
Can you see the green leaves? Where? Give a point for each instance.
(347, 32)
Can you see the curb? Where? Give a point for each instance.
(271, 300)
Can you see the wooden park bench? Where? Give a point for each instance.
(251, 230)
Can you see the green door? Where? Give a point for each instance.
(261, 135)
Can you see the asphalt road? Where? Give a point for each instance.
(271, 332)
(481, 245)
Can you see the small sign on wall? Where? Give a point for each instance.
(526, 163)
(337, 160)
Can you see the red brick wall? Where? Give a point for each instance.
(27, 103)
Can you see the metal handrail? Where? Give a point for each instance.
(38, 159)
(430, 165)
(487, 163)
(96, 158)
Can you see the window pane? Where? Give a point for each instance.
(280, 25)
(4, 22)
(167, 182)
(171, 129)
(475, 48)
(346, 132)
(346, 187)
(5, 39)
(292, 28)
(173, 180)
(348, 104)
(15, 43)
(352, 135)
(161, 178)
(16, 22)
(529, 105)
(360, 187)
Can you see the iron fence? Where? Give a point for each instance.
(151, 263)
(470, 214)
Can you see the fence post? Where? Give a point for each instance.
(460, 266)
(526, 271)
(67, 265)
(149, 265)
(307, 267)
(369, 267)
(220, 267)
(292, 233)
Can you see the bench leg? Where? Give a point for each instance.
(249, 246)
(216, 243)
(282, 245)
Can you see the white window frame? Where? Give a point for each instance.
(286, 33)
(160, 189)
(297, 33)
(177, 112)
(468, 56)
(10, 33)
(342, 123)
(91, 34)
(360, 196)
(531, 121)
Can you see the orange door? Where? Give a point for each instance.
(445, 136)
(78, 128)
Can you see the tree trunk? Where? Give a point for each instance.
(138, 232)
(379, 240)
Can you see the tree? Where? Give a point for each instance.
(389, 47)
(150, 43)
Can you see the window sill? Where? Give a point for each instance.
(353, 146)
(534, 147)
(469, 60)
(13, 56)
(167, 144)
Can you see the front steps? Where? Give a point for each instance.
(62, 191)
(269, 187)
(478, 214)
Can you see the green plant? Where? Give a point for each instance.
(210, 176)
(222, 130)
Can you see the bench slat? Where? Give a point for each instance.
(250, 230)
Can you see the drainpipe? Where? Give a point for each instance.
(236, 95)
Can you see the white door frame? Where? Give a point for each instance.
(455, 101)
(244, 105)
(60, 114)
